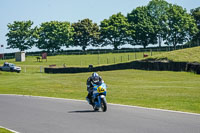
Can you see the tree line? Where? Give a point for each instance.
(151, 24)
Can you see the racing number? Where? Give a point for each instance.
(101, 89)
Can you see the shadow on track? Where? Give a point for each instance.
(82, 111)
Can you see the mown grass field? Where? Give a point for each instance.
(155, 89)
(32, 65)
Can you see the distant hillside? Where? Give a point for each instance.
(184, 55)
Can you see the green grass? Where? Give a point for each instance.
(155, 89)
(184, 55)
(31, 64)
(3, 130)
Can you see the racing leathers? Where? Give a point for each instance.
(90, 86)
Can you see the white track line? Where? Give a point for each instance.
(9, 129)
(164, 110)
(130, 106)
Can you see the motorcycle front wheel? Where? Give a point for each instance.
(103, 105)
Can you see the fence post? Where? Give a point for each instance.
(40, 69)
(128, 57)
(98, 59)
(135, 56)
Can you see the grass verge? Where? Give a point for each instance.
(156, 89)
(3, 130)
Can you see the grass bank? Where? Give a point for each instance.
(155, 89)
(183, 55)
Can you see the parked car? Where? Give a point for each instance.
(10, 67)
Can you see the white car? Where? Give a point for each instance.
(10, 67)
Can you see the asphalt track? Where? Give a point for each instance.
(27, 114)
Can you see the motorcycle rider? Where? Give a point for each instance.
(94, 79)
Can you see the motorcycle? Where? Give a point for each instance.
(99, 97)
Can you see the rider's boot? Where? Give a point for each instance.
(89, 101)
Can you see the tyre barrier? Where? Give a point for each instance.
(141, 65)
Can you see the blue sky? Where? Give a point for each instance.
(40, 11)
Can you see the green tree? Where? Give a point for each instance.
(181, 26)
(85, 33)
(144, 27)
(114, 31)
(196, 14)
(20, 35)
(158, 12)
(51, 36)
